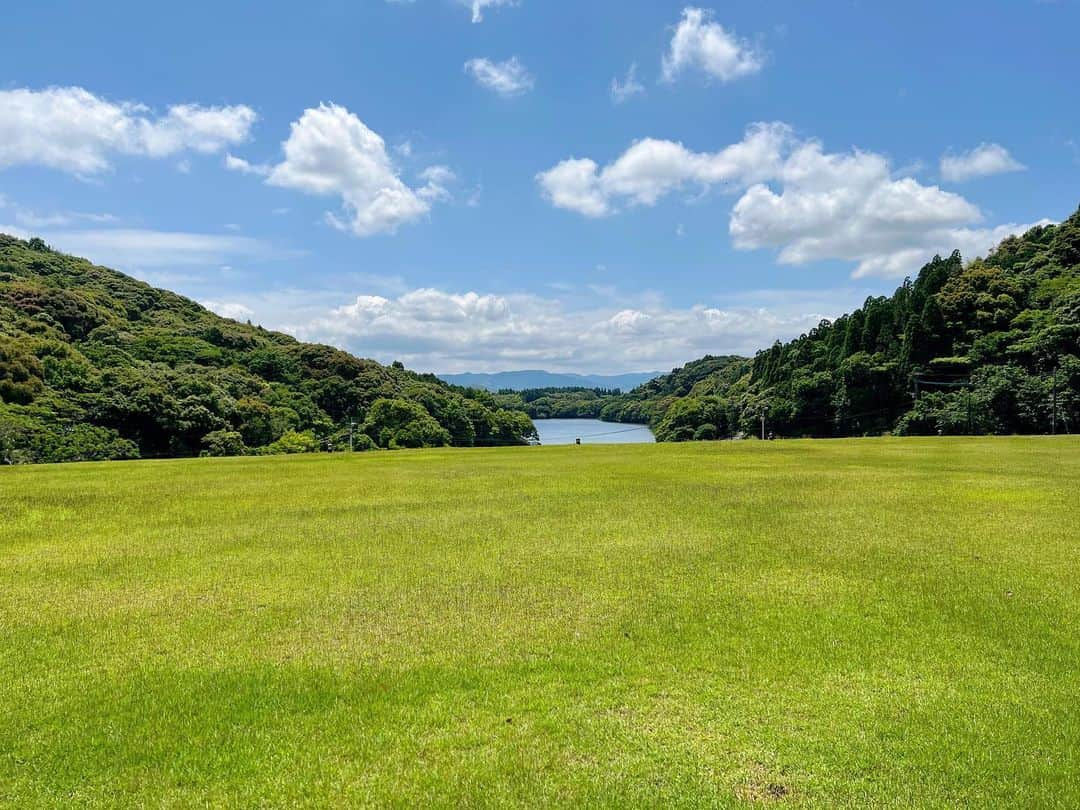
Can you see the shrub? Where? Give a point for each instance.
(293, 442)
(223, 443)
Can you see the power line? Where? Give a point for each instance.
(614, 432)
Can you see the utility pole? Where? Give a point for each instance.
(763, 423)
(351, 423)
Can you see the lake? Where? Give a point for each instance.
(591, 431)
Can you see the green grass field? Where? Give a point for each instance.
(803, 623)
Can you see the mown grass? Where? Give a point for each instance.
(871, 622)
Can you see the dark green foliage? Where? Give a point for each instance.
(97, 365)
(693, 418)
(223, 443)
(991, 347)
(511, 427)
(21, 373)
(646, 404)
(32, 435)
(402, 423)
(293, 442)
(558, 403)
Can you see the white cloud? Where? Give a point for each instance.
(971, 242)
(477, 7)
(984, 160)
(628, 87)
(850, 207)
(574, 185)
(15, 230)
(703, 45)
(236, 164)
(436, 181)
(651, 169)
(128, 248)
(439, 330)
(808, 204)
(36, 221)
(331, 152)
(71, 129)
(229, 309)
(508, 79)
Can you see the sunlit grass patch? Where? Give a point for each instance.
(885, 622)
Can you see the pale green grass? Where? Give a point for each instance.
(873, 622)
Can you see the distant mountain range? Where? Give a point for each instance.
(522, 380)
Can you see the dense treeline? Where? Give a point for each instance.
(94, 365)
(646, 404)
(558, 403)
(97, 365)
(990, 347)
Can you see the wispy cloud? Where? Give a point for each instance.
(478, 6)
(508, 79)
(134, 248)
(627, 88)
(984, 160)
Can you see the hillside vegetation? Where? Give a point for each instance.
(872, 623)
(532, 380)
(97, 365)
(991, 347)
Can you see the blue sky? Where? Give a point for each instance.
(410, 182)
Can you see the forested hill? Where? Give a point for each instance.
(988, 347)
(646, 404)
(542, 380)
(97, 365)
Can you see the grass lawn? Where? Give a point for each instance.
(803, 623)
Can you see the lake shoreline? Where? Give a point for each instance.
(557, 431)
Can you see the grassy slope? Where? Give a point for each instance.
(885, 621)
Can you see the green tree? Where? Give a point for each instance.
(396, 423)
(223, 443)
(20, 373)
(294, 442)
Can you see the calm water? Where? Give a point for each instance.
(591, 431)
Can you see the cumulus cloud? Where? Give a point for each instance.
(628, 87)
(508, 79)
(651, 169)
(984, 160)
(806, 203)
(73, 130)
(447, 331)
(574, 185)
(331, 152)
(701, 44)
(229, 309)
(850, 207)
(477, 7)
